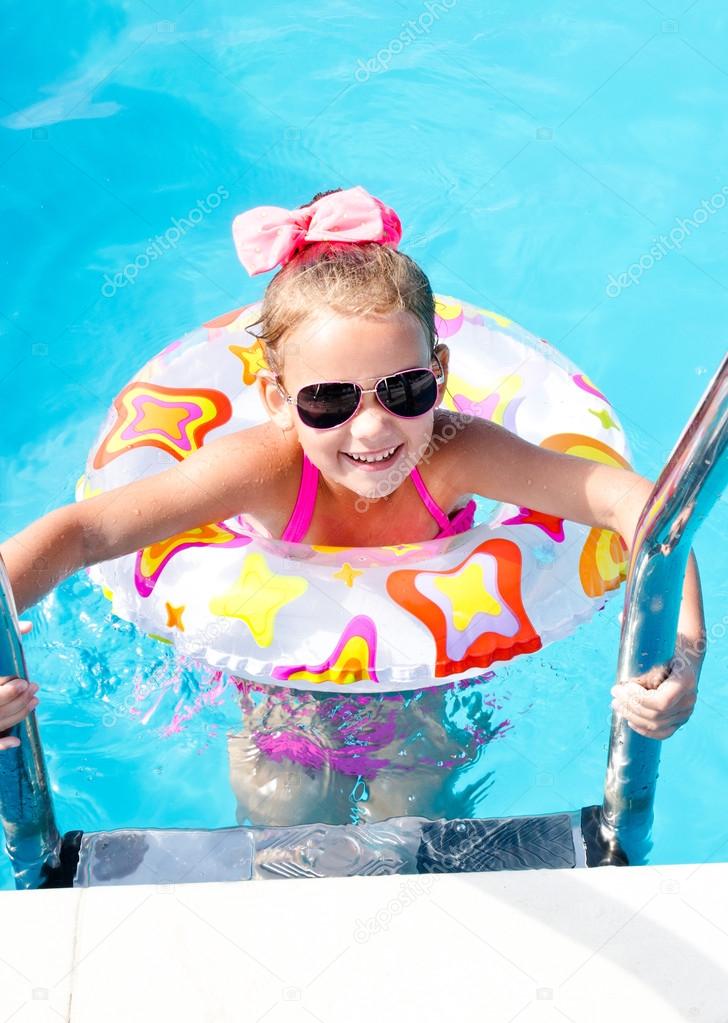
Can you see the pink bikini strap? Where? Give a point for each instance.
(429, 502)
(300, 520)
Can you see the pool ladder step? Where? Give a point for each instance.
(400, 845)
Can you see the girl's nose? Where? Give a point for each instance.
(369, 417)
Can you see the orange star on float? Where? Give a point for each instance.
(173, 419)
(174, 616)
(474, 611)
(252, 358)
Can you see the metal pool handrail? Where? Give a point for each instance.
(32, 840)
(687, 488)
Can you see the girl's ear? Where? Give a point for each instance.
(273, 397)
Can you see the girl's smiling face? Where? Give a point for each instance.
(357, 349)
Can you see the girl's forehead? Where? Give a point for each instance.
(334, 347)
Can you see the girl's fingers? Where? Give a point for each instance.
(663, 732)
(14, 694)
(683, 709)
(652, 726)
(635, 709)
(640, 724)
(25, 626)
(10, 690)
(14, 712)
(17, 701)
(15, 687)
(671, 699)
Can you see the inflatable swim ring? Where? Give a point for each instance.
(403, 617)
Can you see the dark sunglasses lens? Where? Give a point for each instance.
(408, 394)
(322, 406)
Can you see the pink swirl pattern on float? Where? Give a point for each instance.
(352, 660)
(582, 380)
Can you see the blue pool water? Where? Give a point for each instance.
(536, 158)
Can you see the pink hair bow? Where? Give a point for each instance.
(269, 235)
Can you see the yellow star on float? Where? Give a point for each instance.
(252, 358)
(468, 595)
(604, 418)
(257, 596)
(153, 417)
(347, 574)
(448, 310)
(174, 616)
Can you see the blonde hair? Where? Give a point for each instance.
(350, 279)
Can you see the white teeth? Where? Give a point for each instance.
(374, 458)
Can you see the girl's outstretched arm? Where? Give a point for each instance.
(226, 476)
(214, 483)
(489, 460)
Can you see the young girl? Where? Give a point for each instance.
(348, 457)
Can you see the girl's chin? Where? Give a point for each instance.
(375, 492)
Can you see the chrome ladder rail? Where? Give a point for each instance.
(687, 488)
(32, 841)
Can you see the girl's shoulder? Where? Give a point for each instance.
(469, 455)
(269, 470)
(448, 427)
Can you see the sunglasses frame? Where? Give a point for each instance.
(439, 379)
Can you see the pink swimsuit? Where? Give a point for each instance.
(300, 520)
(356, 736)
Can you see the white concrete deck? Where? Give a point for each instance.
(582, 945)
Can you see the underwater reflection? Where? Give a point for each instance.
(304, 757)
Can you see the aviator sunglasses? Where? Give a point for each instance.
(407, 394)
